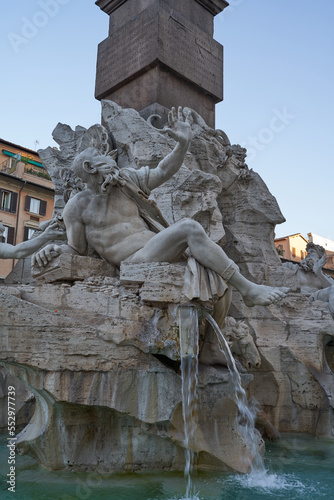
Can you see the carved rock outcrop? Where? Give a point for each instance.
(101, 356)
(101, 353)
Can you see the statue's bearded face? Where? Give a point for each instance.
(107, 172)
(310, 260)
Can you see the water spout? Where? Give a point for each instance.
(188, 328)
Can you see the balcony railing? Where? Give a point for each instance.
(8, 166)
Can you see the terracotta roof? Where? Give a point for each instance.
(290, 236)
(18, 146)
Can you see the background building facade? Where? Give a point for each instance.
(26, 195)
(293, 248)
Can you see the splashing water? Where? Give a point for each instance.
(259, 478)
(247, 414)
(188, 326)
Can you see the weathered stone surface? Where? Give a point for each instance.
(90, 360)
(21, 272)
(67, 267)
(24, 400)
(162, 282)
(295, 385)
(59, 436)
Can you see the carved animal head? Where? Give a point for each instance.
(242, 344)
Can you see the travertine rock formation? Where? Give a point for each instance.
(98, 356)
(24, 401)
(105, 366)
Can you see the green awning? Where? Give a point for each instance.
(32, 162)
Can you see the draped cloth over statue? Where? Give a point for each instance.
(200, 283)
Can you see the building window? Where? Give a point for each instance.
(8, 201)
(293, 252)
(5, 234)
(5, 200)
(28, 232)
(8, 235)
(35, 206)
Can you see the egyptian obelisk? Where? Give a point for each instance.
(159, 54)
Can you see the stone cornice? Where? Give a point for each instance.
(108, 6)
(213, 6)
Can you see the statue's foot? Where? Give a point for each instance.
(262, 295)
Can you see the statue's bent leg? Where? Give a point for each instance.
(169, 245)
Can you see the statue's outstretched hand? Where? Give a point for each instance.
(317, 268)
(44, 256)
(55, 231)
(179, 127)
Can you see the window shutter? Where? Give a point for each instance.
(27, 203)
(13, 203)
(10, 235)
(25, 233)
(42, 207)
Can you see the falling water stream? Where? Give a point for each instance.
(300, 468)
(188, 327)
(247, 414)
(259, 476)
(259, 481)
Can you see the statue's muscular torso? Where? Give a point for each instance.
(111, 224)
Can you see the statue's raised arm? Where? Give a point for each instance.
(179, 128)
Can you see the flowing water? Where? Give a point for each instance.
(188, 328)
(296, 468)
(299, 468)
(247, 413)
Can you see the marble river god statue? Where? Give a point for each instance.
(114, 217)
(312, 280)
(99, 348)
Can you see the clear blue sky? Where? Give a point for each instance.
(279, 74)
